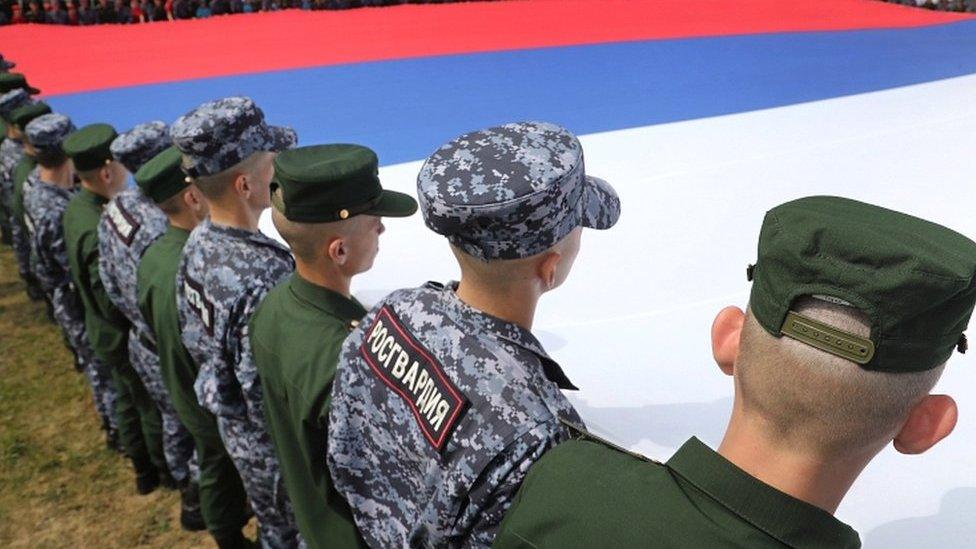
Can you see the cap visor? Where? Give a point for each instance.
(281, 138)
(394, 204)
(32, 90)
(601, 205)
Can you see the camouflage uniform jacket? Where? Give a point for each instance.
(10, 154)
(129, 224)
(44, 207)
(438, 411)
(223, 276)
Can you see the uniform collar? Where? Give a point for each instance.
(173, 230)
(787, 519)
(329, 302)
(511, 332)
(256, 237)
(92, 198)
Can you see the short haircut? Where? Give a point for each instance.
(214, 186)
(174, 204)
(501, 273)
(306, 239)
(89, 176)
(51, 158)
(819, 403)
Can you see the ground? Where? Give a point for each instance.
(59, 485)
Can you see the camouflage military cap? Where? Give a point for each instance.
(325, 183)
(140, 144)
(15, 80)
(915, 280)
(22, 116)
(217, 135)
(6, 65)
(161, 178)
(48, 131)
(89, 146)
(512, 191)
(13, 100)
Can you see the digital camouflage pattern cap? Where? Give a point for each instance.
(6, 65)
(325, 183)
(15, 80)
(22, 116)
(219, 134)
(13, 100)
(48, 131)
(140, 144)
(89, 146)
(162, 178)
(915, 280)
(512, 191)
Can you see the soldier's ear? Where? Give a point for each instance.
(548, 269)
(726, 331)
(242, 186)
(337, 252)
(929, 421)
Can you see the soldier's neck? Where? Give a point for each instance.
(183, 220)
(234, 213)
(62, 176)
(97, 189)
(325, 276)
(817, 480)
(515, 303)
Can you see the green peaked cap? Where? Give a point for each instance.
(914, 279)
(89, 146)
(10, 81)
(324, 183)
(161, 178)
(23, 115)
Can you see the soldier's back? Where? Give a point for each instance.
(587, 493)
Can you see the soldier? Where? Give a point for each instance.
(52, 186)
(222, 500)
(11, 151)
(129, 224)
(227, 267)
(443, 397)
(20, 118)
(854, 312)
(102, 178)
(327, 203)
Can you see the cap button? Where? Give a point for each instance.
(963, 344)
(188, 179)
(343, 213)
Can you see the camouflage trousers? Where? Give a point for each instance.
(6, 189)
(21, 249)
(251, 451)
(68, 315)
(178, 445)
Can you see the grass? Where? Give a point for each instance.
(59, 485)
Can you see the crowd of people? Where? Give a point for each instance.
(244, 374)
(95, 12)
(941, 5)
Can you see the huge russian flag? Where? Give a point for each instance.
(702, 114)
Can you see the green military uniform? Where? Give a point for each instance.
(21, 117)
(298, 330)
(916, 283)
(588, 493)
(140, 426)
(223, 502)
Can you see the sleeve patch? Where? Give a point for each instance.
(198, 302)
(122, 222)
(406, 367)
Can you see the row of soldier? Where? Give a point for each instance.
(245, 374)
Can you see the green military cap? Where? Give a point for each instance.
(13, 81)
(913, 279)
(22, 116)
(324, 183)
(89, 147)
(161, 178)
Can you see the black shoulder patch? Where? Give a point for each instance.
(193, 291)
(409, 369)
(122, 222)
